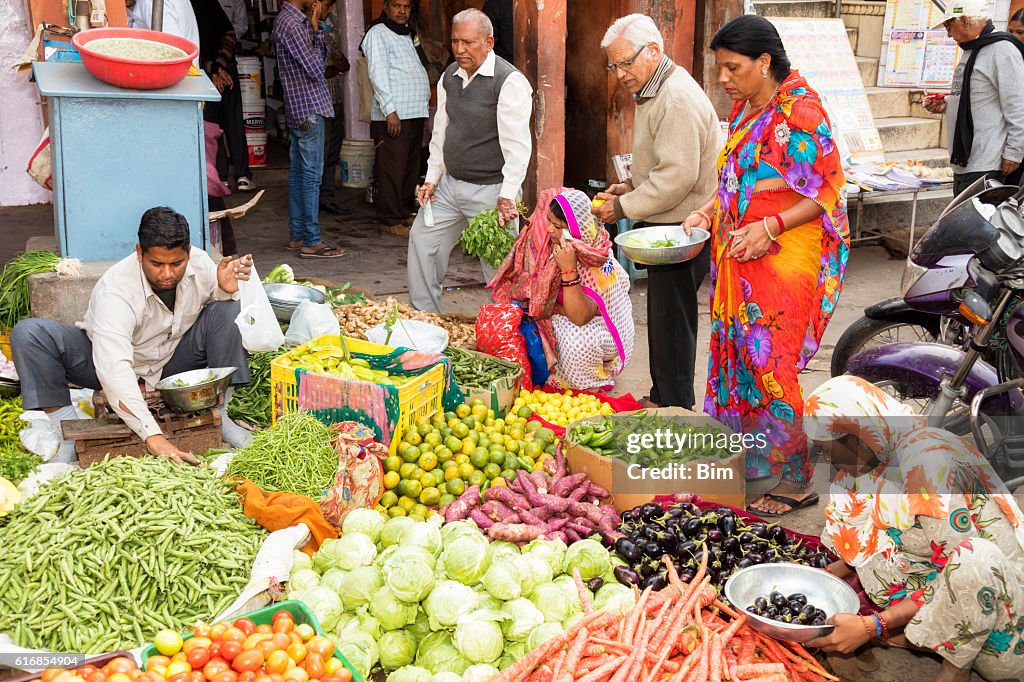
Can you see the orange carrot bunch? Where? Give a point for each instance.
(680, 634)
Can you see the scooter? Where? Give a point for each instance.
(968, 267)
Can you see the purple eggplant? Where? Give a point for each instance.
(626, 575)
(628, 550)
(595, 584)
(716, 536)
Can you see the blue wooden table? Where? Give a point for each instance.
(118, 152)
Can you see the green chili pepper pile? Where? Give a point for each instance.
(15, 461)
(473, 371)
(102, 559)
(611, 437)
(295, 455)
(251, 403)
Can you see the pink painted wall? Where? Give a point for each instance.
(21, 121)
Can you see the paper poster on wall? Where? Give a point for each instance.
(820, 50)
(941, 54)
(905, 57)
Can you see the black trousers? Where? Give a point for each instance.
(227, 113)
(397, 168)
(334, 133)
(962, 181)
(672, 318)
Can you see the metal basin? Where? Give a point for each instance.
(824, 590)
(635, 244)
(9, 389)
(202, 390)
(285, 298)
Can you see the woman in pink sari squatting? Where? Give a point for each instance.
(563, 272)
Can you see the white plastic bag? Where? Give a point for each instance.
(256, 321)
(413, 334)
(309, 321)
(43, 435)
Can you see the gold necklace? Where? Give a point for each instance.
(770, 98)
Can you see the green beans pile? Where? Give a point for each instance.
(474, 371)
(14, 283)
(251, 403)
(102, 559)
(295, 455)
(15, 461)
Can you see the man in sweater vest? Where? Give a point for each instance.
(676, 140)
(479, 153)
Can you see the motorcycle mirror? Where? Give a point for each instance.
(975, 309)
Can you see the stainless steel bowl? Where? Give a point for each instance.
(9, 389)
(689, 245)
(203, 388)
(285, 298)
(824, 590)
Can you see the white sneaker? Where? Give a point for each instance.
(245, 185)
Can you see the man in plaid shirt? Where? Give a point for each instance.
(302, 63)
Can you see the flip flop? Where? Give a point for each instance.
(808, 501)
(323, 252)
(293, 249)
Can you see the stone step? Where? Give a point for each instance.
(806, 9)
(936, 157)
(851, 35)
(868, 70)
(903, 133)
(888, 102)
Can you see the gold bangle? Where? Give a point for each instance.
(702, 214)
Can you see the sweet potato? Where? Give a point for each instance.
(557, 535)
(460, 508)
(567, 484)
(528, 517)
(505, 496)
(597, 491)
(499, 512)
(557, 524)
(559, 504)
(579, 493)
(550, 467)
(481, 519)
(571, 536)
(514, 532)
(590, 512)
(579, 526)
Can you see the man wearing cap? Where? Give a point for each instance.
(985, 107)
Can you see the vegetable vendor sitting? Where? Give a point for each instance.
(930, 530)
(563, 272)
(163, 310)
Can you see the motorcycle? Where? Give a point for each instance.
(969, 269)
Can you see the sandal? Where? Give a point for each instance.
(289, 247)
(323, 251)
(792, 503)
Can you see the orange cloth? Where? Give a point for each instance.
(275, 511)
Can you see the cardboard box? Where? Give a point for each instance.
(721, 480)
(502, 392)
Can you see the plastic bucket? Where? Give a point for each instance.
(257, 143)
(356, 161)
(249, 75)
(254, 117)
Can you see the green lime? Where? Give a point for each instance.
(550, 449)
(413, 438)
(417, 518)
(445, 466)
(448, 416)
(388, 499)
(419, 509)
(413, 488)
(427, 461)
(433, 439)
(410, 453)
(512, 463)
(400, 488)
(484, 442)
(392, 463)
(406, 502)
(396, 511)
(391, 480)
(427, 479)
(546, 435)
(533, 426)
(446, 499)
(480, 457)
(438, 475)
(460, 430)
(492, 471)
(455, 487)
(497, 455)
(513, 446)
(476, 478)
(453, 443)
(466, 469)
(509, 475)
(525, 412)
(446, 432)
(443, 454)
(469, 422)
(405, 471)
(430, 496)
(424, 430)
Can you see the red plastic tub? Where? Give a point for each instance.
(133, 73)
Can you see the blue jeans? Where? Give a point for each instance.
(307, 168)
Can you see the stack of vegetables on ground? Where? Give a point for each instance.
(15, 461)
(680, 633)
(689, 535)
(402, 594)
(610, 437)
(548, 505)
(442, 457)
(251, 403)
(343, 295)
(356, 318)
(476, 371)
(100, 557)
(295, 456)
(559, 408)
(242, 651)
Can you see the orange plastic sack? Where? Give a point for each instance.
(360, 480)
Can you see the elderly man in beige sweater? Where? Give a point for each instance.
(676, 140)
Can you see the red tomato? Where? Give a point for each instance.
(281, 640)
(282, 614)
(245, 625)
(294, 636)
(218, 630)
(251, 660)
(234, 635)
(296, 675)
(198, 657)
(230, 650)
(119, 665)
(344, 675)
(284, 625)
(215, 649)
(277, 662)
(149, 677)
(196, 643)
(314, 665)
(226, 676)
(247, 677)
(86, 670)
(157, 660)
(322, 646)
(305, 631)
(264, 629)
(267, 647)
(98, 676)
(296, 652)
(203, 630)
(197, 676)
(215, 667)
(180, 677)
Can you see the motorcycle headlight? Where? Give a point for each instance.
(911, 274)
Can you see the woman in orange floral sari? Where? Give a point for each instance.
(780, 241)
(933, 535)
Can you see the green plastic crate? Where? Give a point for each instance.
(265, 616)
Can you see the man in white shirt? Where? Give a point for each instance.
(480, 168)
(179, 19)
(163, 310)
(238, 14)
